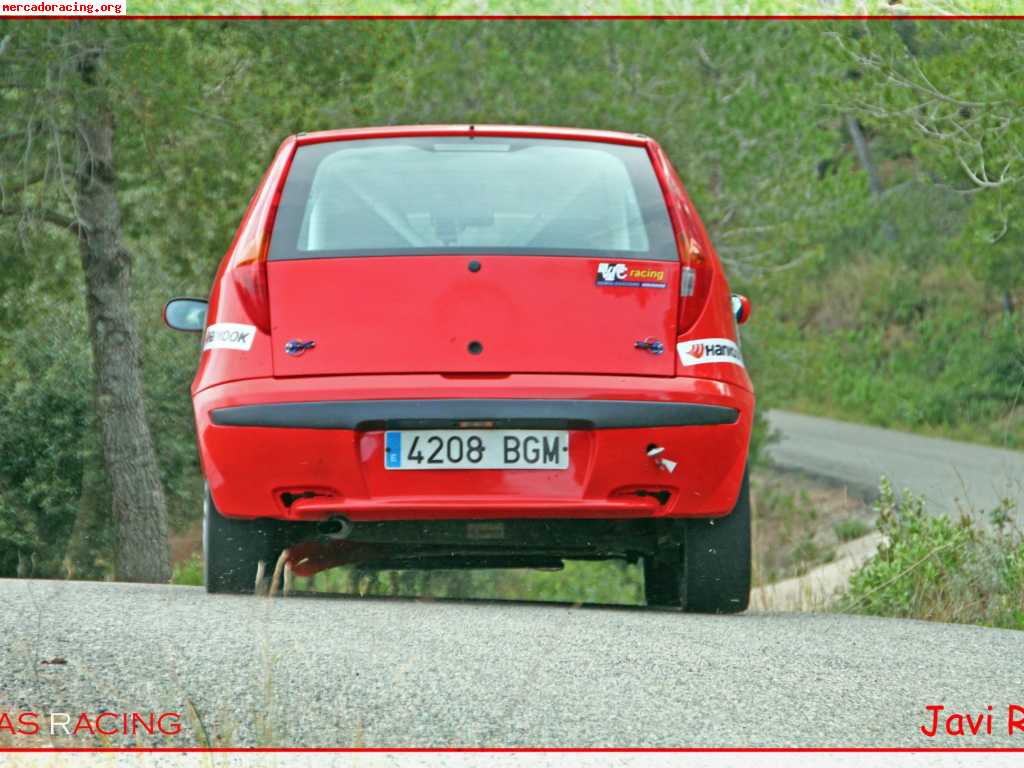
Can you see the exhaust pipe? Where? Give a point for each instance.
(337, 528)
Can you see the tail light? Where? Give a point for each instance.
(695, 258)
(247, 267)
(694, 283)
(250, 277)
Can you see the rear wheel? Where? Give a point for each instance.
(233, 548)
(717, 560)
(710, 573)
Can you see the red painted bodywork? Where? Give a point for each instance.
(418, 314)
(248, 468)
(397, 328)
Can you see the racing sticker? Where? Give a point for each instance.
(625, 276)
(700, 351)
(229, 336)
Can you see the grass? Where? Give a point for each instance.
(935, 568)
(850, 529)
(608, 583)
(189, 572)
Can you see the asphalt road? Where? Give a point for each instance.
(952, 476)
(341, 672)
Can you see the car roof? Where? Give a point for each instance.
(466, 129)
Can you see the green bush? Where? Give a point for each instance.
(51, 481)
(935, 568)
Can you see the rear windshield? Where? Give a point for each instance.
(458, 195)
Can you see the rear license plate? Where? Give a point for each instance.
(476, 449)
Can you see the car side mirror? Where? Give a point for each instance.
(185, 314)
(740, 308)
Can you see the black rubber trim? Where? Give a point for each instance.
(446, 413)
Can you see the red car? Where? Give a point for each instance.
(474, 346)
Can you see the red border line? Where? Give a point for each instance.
(817, 17)
(514, 750)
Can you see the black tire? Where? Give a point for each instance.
(716, 560)
(232, 550)
(663, 576)
(710, 573)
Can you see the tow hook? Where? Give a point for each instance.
(654, 452)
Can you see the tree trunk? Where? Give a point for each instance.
(137, 497)
(860, 146)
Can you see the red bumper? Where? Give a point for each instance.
(319, 448)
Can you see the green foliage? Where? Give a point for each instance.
(966, 131)
(932, 567)
(47, 442)
(190, 572)
(944, 369)
(606, 583)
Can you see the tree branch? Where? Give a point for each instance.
(58, 219)
(26, 182)
(49, 216)
(983, 180)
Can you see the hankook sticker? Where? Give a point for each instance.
(625, 276)
(229, 336)
(700, 351)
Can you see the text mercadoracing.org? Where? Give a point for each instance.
(40, 8)
(90, 724)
